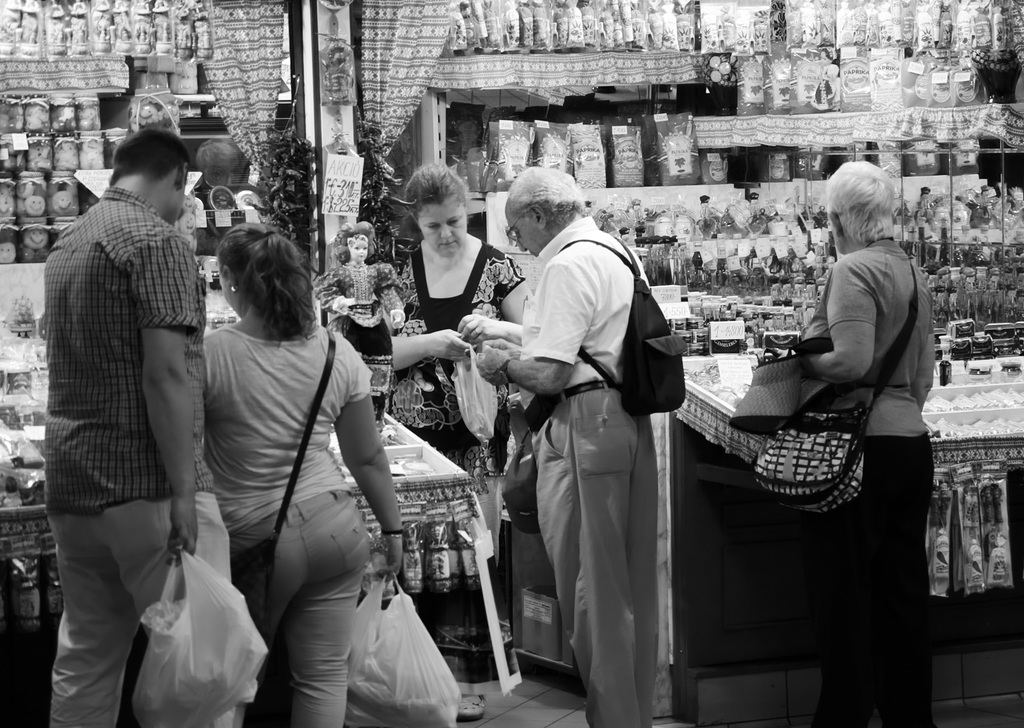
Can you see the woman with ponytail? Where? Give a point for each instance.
(261, 374)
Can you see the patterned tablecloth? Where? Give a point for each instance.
(103, 73)
(709, 416)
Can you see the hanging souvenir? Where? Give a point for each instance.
(938, 539)
(31, 29)
(494, 22)
(57, 31)
(185, 32)
(337, 77)
(513, 39)
(102, 27)
(686, 23)
(78, 33)
(10, 30)
(588, 20)
(163, 41)
(142, 26)
(542, 30)
(122, 27)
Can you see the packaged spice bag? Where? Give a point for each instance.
(778, 78)
(24, 590)
(972, 556)
(752, 30)
(810, 23)
(437, 529)
(916, 81)
(751, 94)
(995, 530)
(718, 26)
(675, 141)
(815, 85)
(938, 541)
(627, 158)
(465, 539)
(886, 94)
(855, 79)
(588, 158)
(412, 546)
(551, 146)
(967, 89)
(511, 144)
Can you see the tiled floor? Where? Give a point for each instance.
(549, 700)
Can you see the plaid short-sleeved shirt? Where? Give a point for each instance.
(118, 270)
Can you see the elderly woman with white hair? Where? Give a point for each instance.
(867, 570)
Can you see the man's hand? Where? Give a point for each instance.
(448, 344)
(491, 363)
(184, 529)
(476, 329)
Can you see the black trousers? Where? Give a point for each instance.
(867, 578)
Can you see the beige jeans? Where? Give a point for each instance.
(112, 567)
(597, 494)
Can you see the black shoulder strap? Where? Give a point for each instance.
(310, 423)
(899, 347)
(630, 263)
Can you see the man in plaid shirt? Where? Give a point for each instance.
(126, 480)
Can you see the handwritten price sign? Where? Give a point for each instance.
(343, 184)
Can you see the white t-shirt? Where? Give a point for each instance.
(258, 395)
(583, 299)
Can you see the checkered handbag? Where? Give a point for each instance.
(815, 462)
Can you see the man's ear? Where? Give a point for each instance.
(180, 177)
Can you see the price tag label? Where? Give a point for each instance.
(916, 67)
(714, 157)
(657, 200)
(4, 154)
(961, 77)
(958, 367)
(726, 330)
(940, 77)
(675, 311)
(799, 246)
(35, 432)
(619, 131)
(96, 180)
(743, 249)
(201, 215)
(252, 215)
(542, 124)
(734, 263)
(735, 372)
(222, 218)
(763, 246)
(816, 236)
(505, 125)
(661, 117)
(723, 249)
(20, 142)
(191, 181)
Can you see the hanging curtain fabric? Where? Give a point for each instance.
(245, 73)
(401, 44)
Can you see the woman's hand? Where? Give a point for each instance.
(394, 553)
(448, 344)
(477, 329)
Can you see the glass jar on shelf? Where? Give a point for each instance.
(11, 161)
(65, 154)
(39, 157)
(7, 195)
(90, 150)
(9, 236)
(62, 195)
(30, 199)
(62, 115)
(113, 138)
(12, 115)
(37, 115)
(87, 113)
(35, 243)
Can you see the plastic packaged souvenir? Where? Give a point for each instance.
(855, 79)
(10, 29)
(675, 148)
(886, 93)
(163, 41)
(437, 538)
(810, 23)
(154, 108)
(7, 196)
(102, 28)
(78, 29)
(964, 157)
(464, 539)
(940, 87)
(778, 79)
(34, 248)
(916, 80)
(30, 41)
(39, 157)
(412, 547)
(24, 590)
(752, 30)
(338, 73)
(204, 33)
(589, 24)
(588, 158)
(995, 530)
(122, 30)
(627, 162)
(184, 33)
(12, 115)
(686, 24)
(9, 237)
(815, 86)
(30, 200)
(65, 154)
(511, 145)
(10, 160)
(551, 146)
(543, 33)
(939, 535)
(779, 166)
(718, 26)
(751, 93)
(62, 195)
(972, 556)
(142, 27)
(929, 22)
(714, 166)
(37, 115)
(58, 31)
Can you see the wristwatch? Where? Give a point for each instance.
(504, 369)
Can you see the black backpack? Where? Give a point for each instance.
(652, 365)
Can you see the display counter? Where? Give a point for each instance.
(744, 645)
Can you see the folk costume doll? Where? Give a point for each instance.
(366, 299)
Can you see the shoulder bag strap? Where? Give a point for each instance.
(899, 347)
(635, 270)
(318, 398)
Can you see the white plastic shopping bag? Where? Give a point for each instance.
(396, 675)
(478, 400)
(204, 651)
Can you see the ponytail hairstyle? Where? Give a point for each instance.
(347, 232)
(272, 276)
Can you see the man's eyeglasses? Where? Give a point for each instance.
(511, 233)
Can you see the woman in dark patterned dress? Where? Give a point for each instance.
(458, 291)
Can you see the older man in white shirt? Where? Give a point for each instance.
(597, 476)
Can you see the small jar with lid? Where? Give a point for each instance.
(114, 137)
(62, 195)
(39, 157)
(62, 115)
(30, 195)
(87, 113)
(65, 154)
(8, 189)
(10, 161)
(90, 150)
(37, 115)
(12, 115)
(35, 243)
(9, 238)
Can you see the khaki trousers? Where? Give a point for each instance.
(597, 493)
(112, 567)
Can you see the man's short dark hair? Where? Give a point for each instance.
(152, 153)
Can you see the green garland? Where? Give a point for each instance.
(288, 177)
(376, 206)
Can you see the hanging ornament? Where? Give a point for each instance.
(337, 73)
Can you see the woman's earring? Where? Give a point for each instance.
(234, 289)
